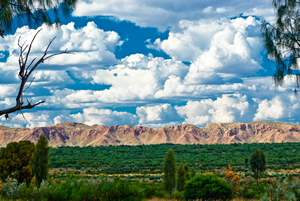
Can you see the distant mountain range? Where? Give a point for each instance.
(78, 134)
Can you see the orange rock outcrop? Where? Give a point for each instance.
(78, 134)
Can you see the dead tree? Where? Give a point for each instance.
(24, 74)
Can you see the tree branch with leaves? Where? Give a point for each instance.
(282, 40)
(33, 11)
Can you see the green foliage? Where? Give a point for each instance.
(15, 160)
(281, 39)
(258, 163)
(178, 195)
(207, 187)
(10, 187)
(169, 171)
(40, 163)
(180, 178)
(78, 190)
(152, 190)
(193, 172)
(288, 189)
(254, 192)
(187, 172)
(151, 157)
(34, 11)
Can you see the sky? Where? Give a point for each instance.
(150, 62)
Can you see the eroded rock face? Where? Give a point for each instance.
(78, 134)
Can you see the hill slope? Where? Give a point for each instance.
(78, 134)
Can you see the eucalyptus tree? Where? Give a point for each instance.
(187, 172)
(257, 163)
(180, 178)
(40, 162)
(33, 11)
(15, 161)
(193, 172)
(282, 40)
(169, 171)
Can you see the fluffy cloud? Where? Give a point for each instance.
(7, 102)
(157, 114)
(217, 49)
(226, 109)
(32, 120)
(269, 109)
(138, 78)
(175, 87)
(8, 90)
(225, 57)
(168, 13)
(88, 45)
(91, 116)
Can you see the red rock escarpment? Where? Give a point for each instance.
(78, 134)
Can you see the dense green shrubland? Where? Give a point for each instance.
(75, 189)
(147, 158)
(88, 180)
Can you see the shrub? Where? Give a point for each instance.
(150, 189)
(77, 190)
(178, 195)
(207, 187)
(285, 190)
(233, 179)
(254, 192)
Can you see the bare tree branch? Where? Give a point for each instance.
(24, 75)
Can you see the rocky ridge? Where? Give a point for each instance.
(78, 134)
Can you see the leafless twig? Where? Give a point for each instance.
(25, 73)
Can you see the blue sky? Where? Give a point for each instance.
(153, 63)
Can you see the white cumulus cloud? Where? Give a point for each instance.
(270, 109)
(91, 116)
(222, 46)
(157, 114)
(167, 13)
(226, 109)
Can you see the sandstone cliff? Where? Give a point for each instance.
(78, 134)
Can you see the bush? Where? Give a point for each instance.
(285, 190)
(254, 192)
(178, 195)
(77, 190)
(153, 190)
(207, 187)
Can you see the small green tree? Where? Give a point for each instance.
(180, 178)
(40, 163)
(187, 172)
(258, 163)
(169, 171)
(15, 160)
(207, 187)
(193, 172)
(246, 161)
